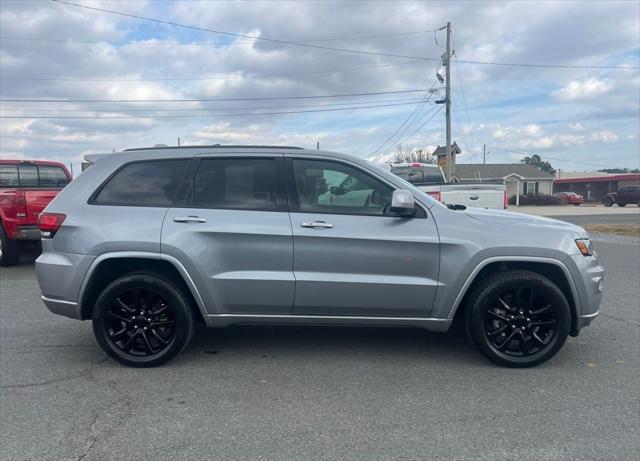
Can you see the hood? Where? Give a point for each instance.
(508, 217)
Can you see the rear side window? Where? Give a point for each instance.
(419, 175)
(28, 175)
(148, 183)
(32, 176)
(52, 176)
(244, 183)
(9, 176)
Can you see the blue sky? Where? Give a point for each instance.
(579, 119)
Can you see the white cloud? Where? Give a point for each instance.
(583, 89)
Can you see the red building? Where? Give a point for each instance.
(593, 186)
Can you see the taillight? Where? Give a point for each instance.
(49, 223)
(506, 200)
(21, 205)
(435, 195)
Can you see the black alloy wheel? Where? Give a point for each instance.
(142, 320)
(519, 319)
(520, 322)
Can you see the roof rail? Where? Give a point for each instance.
(219, 146)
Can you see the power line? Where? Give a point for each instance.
(550, 66)
(344, 50)
(419, 128)
(131, 43)
(413, 113)
(232, 77)
(552, 158)
(464, 99)
(199, 109)
(271, 98)
(203, 115)
(252, 37)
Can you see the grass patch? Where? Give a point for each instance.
(632, 230)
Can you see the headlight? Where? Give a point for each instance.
(585, 247)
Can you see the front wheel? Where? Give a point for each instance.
(518, 318)
(607, 202)
(142, 320)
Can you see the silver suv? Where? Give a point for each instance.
(148, 242)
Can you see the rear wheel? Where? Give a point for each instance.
(9, 250)
(518, 319)
(622, 204)
(142, 320)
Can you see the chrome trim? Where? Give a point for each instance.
(432, 324)
(482, 264)
(59, 301)
(590, 316)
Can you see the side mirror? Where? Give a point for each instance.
(403, 203)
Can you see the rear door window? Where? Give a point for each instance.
(9, 176)
(146, 183)
(236, 183)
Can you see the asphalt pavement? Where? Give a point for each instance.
(299, 393)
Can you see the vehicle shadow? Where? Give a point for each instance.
(339, 342)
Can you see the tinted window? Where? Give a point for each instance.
(152, 183)
(52, 176)
(419, 175)
(9, 176)
(235, 183)
(28, 175)
(329, 187)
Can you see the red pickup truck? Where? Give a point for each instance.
(26, 188)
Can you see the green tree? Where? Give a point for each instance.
(536, 160)
(619, 170)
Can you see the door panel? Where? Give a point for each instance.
(365, 265)
(243, 259)
(235, 237)
(358, 261)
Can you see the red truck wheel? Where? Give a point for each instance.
(9, 250)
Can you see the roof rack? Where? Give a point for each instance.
(219, 146)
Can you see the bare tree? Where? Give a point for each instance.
(411, 154)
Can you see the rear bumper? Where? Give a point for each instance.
(61, 307)
(28, 233)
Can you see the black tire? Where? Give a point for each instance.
(153, 318)
(638, 203)
(607, 202)
(9, 250)
(621, 205)
(518, 318)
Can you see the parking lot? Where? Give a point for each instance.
(319, 393)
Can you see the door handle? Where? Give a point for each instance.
(317, 224)
(189, 219)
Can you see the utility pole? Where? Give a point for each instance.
(178, 141)
(447, 62)
(484, 154)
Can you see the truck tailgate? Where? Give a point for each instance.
(481, 196)
(37, 200)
